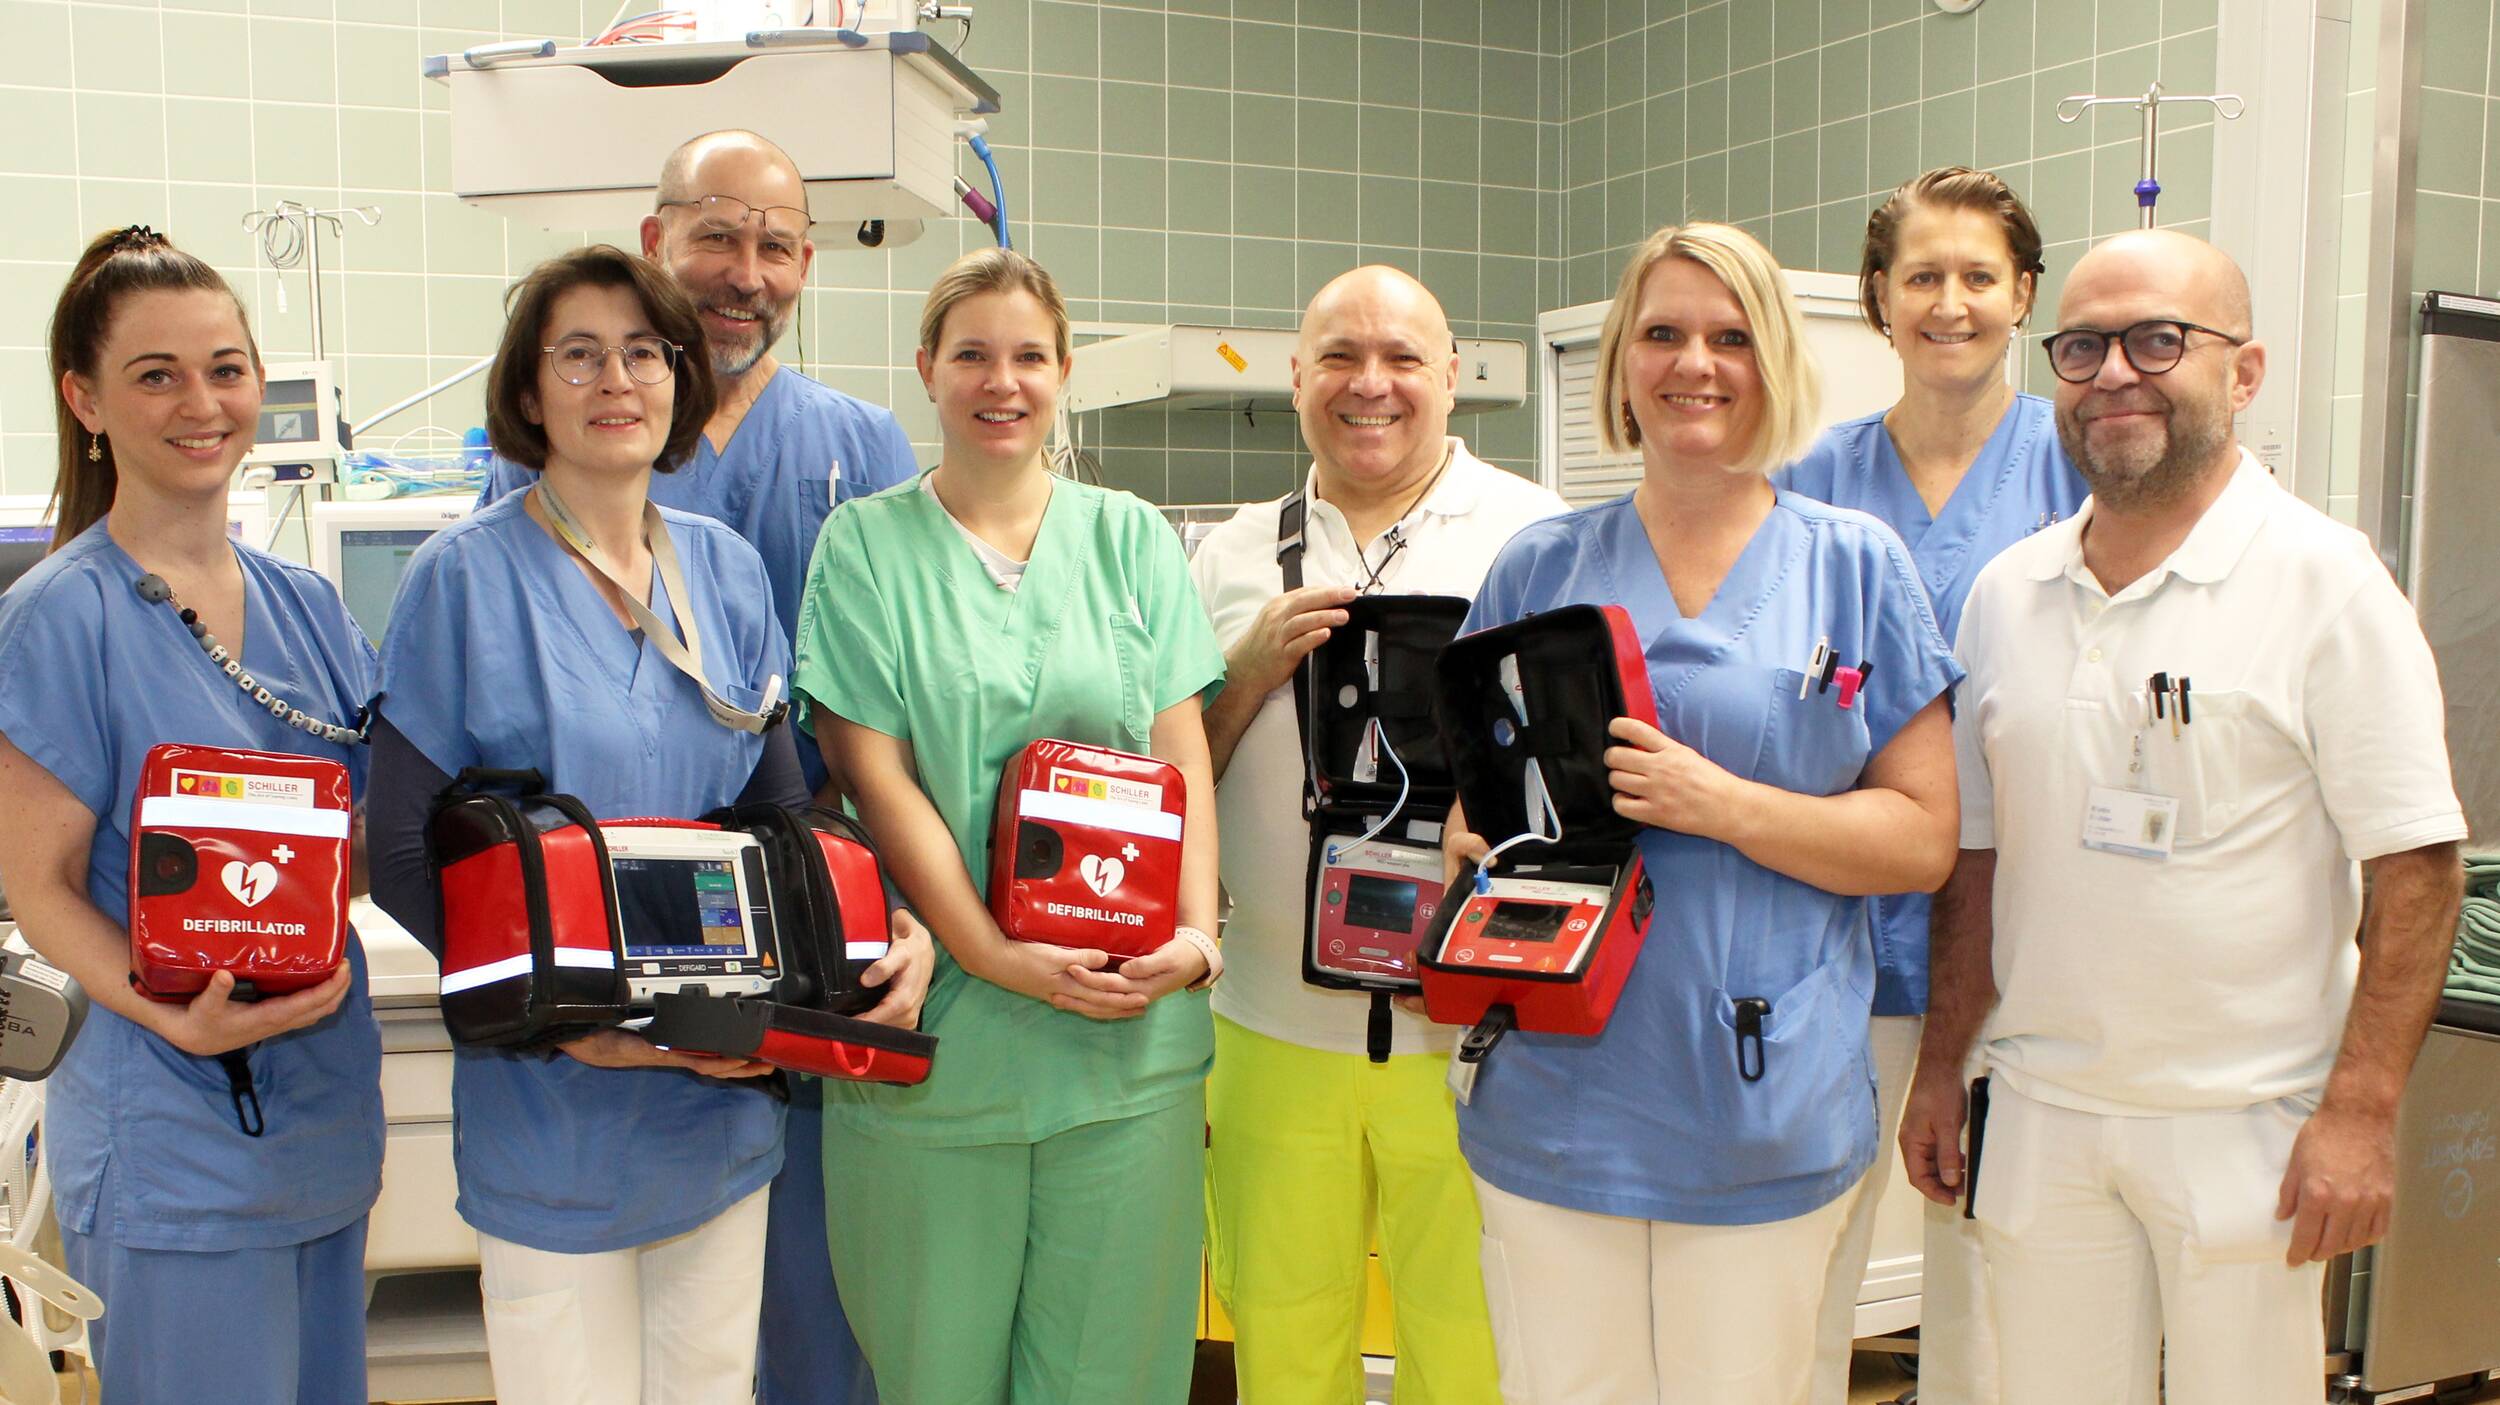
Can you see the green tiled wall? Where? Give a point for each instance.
(2456, 217)
(1793, 117)
(1192, 160)
(2352, 273)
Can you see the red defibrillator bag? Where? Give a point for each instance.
(829, 923)
(744, 933)
(1545, 940)
(1085, 850)
(238, 862)
(526, 909)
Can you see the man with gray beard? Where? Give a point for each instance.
(2197, 711)
(731, 225)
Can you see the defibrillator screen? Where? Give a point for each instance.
(1526, 922)
(1382, 904)
(679, 907)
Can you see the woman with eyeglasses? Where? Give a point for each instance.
(1961, 468)
(617, 1188)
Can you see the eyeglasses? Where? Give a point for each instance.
(786, 225)
(580, 360)
(2078, 353)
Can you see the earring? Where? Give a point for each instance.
(95, 448)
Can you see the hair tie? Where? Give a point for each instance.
(137, 238)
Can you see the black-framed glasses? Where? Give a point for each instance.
(580, 360)
(2077, 354)
(724, 214)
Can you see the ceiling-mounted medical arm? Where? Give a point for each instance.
(2227, 106)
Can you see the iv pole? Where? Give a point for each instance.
(291, 233)
(2227, 106)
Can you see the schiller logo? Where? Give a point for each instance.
(1095, 914)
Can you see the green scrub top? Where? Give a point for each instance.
(900, 629)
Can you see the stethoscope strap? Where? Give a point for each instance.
(684, 652)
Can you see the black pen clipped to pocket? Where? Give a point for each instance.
(1751, 1055)
(1978, 1137)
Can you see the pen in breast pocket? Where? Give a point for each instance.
(1814, 666)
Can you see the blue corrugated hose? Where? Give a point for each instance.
(998, 191)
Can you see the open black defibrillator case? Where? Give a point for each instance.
(1376, 789)
(1546, 940)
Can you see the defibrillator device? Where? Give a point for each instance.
(238, 863)
(831, 922)
(1085, 848)
(744, 933)
(1377, 786)
(1544, 940)
(41, 1009)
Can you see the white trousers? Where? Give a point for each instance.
(1957, 1362)
(670, 1323)
(2107, 1235)
(1599, 1310)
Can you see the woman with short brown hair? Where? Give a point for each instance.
(618, 1188)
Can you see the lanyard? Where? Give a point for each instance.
(683, 653)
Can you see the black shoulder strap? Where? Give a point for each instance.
(1291, 518)
(1289, 523)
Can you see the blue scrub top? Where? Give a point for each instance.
(502, 653)
(141, 1137)
(1650, 1119)
(802, 449)
(2019, 483)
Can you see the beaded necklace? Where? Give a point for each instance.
(152, 588)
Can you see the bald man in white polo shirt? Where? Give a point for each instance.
(2198, 713)
(1313, 1142)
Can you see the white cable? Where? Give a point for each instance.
(1406, 783)
(1544, 821)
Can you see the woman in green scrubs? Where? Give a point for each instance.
(1025, 1226)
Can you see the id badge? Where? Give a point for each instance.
(2133, 822)
(1463, 1079)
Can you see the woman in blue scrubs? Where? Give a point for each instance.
(1033, 1211)
(1657, 1223)
(221, 1255)
(1961, 468)
(618, 1188)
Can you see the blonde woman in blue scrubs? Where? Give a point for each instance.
(1661, 1201)
(1025, 1225)
(1962, 468)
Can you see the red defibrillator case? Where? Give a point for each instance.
(1377, 789)
(1085, 850)
(1545, 941)
(525, 906)
(830, 923)
(238, 862)
(744, 933)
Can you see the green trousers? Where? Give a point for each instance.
(1050, 1273)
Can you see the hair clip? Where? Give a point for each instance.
(136, 238)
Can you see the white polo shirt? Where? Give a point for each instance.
(1451, 541)
(2218, 977)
